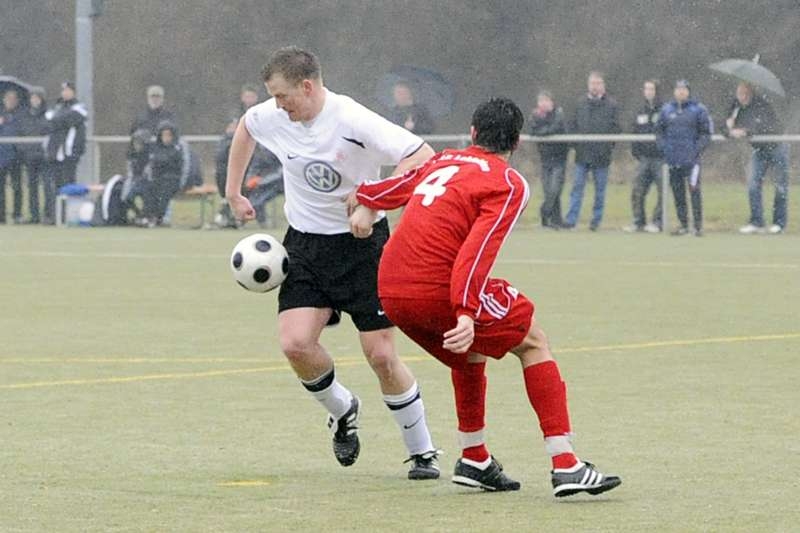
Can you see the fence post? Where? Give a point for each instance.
(664, 198)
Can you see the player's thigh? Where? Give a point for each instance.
(496, 336)
(424, 322)
(299, 328)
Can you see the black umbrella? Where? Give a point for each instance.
(750, 72)
(429, 88)
(22, 88)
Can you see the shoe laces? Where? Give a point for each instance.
(427, 457)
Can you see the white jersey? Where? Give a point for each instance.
(325, 159)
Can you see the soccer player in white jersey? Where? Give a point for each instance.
(329, 144)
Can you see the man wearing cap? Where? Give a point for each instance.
(683, 132)
(155, 113)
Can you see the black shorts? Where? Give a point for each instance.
(338, 272)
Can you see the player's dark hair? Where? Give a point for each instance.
(294, 64)
(497, 124)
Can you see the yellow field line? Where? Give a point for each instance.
(351, 361)
(179, 375)
(685, 342)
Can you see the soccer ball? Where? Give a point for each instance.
(259, 262)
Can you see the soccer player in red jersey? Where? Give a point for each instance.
(434, 284)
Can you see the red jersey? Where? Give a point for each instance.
(460, 207)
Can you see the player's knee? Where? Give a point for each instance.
(297, 348)
(535, 348)
(381, 361)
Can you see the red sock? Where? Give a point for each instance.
(548, 397)
(476, 453)
(469, 386)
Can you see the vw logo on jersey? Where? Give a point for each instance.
(322, 177)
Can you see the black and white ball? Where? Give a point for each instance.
(259, 262)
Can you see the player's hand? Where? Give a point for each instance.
(242, 209)
(361, 221)
(351, 202)
(730, 122)
(459, 339)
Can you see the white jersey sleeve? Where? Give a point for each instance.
(392, 143)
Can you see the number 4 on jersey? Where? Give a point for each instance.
(434, 185)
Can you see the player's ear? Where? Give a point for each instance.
(473, 134)
(308, 87)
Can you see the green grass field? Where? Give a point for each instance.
(142, 390)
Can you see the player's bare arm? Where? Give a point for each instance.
(242, 147)
(424, 153)
(361, 217)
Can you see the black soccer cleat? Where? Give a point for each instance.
(491, 479)
(583, 479)
(424, 465)
(345, 434)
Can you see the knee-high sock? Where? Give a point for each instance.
(330, 393)
(547, 394)
(469, 386)
(409, 413)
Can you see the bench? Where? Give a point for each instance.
(207, 194)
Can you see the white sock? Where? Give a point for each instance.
(409, 413)
(482, 465)
(330, 393)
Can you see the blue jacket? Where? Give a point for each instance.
(683, 131)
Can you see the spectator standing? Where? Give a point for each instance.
(683, 132)
(64, 146)
(34, 124)
(155, 114)
(248, 97)
(751, 114)
(596, 113)
(547, 119)
(649, 160)
(406, 112)
(9, 156)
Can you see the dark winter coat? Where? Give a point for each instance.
(149, 119)
(139, 155)
(595, 115)
(683, 131)
(9, 127)
(33, 123)
(758, 118)
(67, 126)
(166, 160)
(643, 123)
(552, 123)
(423, 122)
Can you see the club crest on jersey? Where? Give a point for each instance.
(321, 176)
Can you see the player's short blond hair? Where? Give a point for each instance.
(294, 64)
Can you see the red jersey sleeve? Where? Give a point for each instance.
(392, 192)
(498, 213)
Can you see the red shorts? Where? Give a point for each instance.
(426, 321)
